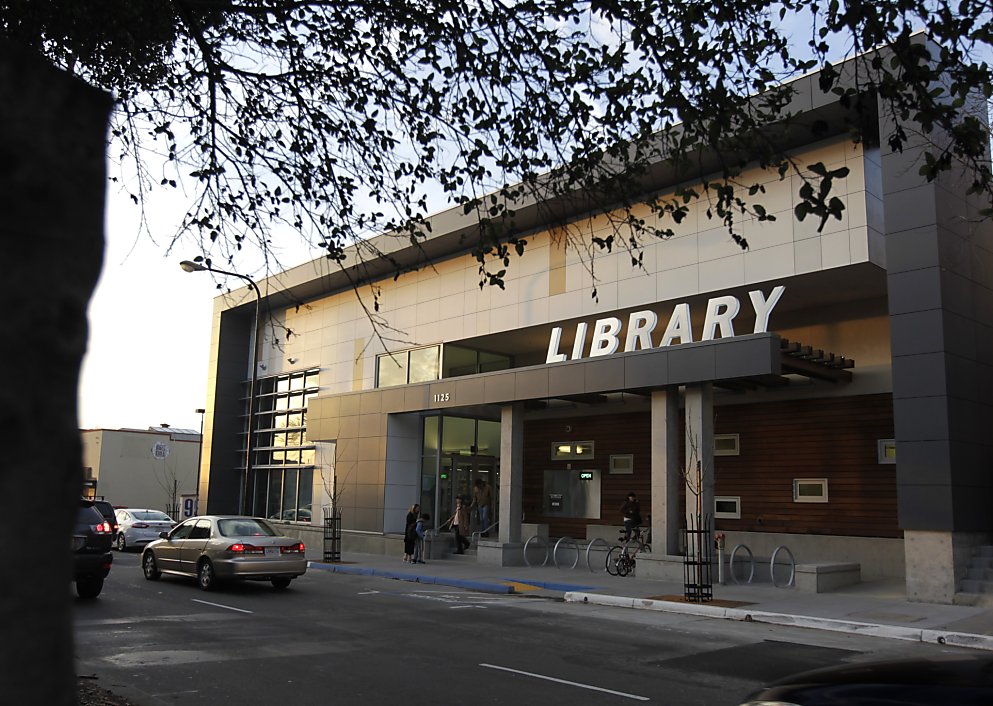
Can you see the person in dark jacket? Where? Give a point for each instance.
(409, 534)
(631, 510)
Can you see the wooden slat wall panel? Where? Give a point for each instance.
(833, 438)
(611, 434)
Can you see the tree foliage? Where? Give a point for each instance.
(347, 118)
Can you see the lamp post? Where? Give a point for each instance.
(190, 266)
(201, 412)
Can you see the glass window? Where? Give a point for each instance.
(260, 486)
(296, 401)
(182, 531)
(307, 457)
(727, 507)
(726, 445)
(288, 510)
(810, 490)
(431, 435)
(424, 364)
(244, 527)
(392, 369)
(458, 435)
(275, 486)
(279, 421)
(279, 439)
(488, 362)
(201, 531)
(283, 384)
(459, 361)
(151, 515)
(488, 438)
(294, 419)
(282, 403)
(278, 457)
(306, 495)
(296, 382)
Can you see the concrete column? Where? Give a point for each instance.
(511, 472)
(666, 472)
(699, 463)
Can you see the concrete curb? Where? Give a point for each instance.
(482, 586)
(897, 632)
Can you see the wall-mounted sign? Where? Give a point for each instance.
(718, 323)
(586, 475)
(160, 450)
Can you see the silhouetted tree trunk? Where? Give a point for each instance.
(53, 136)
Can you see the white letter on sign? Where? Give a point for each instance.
(720, 311)
(577, 345)
(605, 339)
(553, 346)
(640, 327)
(679, 326)
(763, 307)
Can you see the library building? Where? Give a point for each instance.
(828, 389)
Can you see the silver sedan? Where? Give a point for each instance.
(215, 548)
(139, 526)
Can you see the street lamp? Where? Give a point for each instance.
(190, 266)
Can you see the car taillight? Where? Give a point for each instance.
(103, 528)
(140, 525)
(292, 549)
(240, 548)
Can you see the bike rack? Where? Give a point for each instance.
(589, 552)
(772, 566)
(751, 563)
(555, 552)
(536, 541)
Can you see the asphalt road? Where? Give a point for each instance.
(337, 639)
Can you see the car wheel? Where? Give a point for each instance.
(89, 588)
(150, 567)
(122, 543)
(280, 582)
(205, 575)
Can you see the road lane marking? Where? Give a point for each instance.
(367, 593)
(218, 605)
(569, 683)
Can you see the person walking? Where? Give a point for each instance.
(482, 500)
(420, 529)
(409, 535)
(459, 522)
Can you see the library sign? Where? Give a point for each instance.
(607, 333)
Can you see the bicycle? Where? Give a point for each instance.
(620, 560)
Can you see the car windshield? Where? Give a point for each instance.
(153, 515)
(244, 527)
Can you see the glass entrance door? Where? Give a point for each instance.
(458, 475)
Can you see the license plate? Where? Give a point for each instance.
(272, 551)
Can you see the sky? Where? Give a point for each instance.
(147, 355)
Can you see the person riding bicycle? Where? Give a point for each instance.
(631, 510)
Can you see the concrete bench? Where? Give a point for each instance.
(824, 576)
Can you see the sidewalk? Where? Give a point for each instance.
(878, 609)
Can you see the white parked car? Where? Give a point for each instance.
(138, 527)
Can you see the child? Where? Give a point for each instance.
(420, 531)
